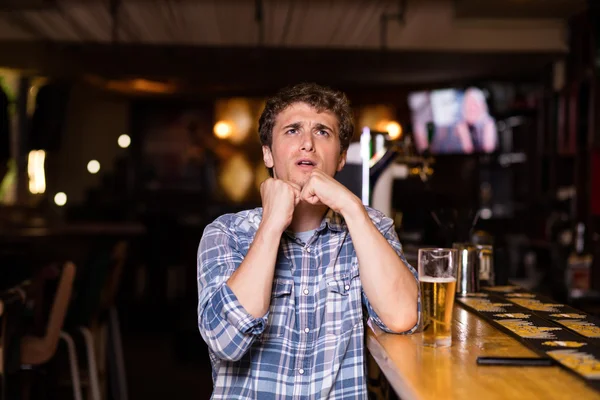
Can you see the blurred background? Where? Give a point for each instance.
(126, 126)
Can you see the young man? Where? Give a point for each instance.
(281, 287)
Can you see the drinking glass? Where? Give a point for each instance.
(437, 277)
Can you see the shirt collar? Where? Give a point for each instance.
(334, 221)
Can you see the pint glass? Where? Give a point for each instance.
(437, 277)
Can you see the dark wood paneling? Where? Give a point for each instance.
(261, 70)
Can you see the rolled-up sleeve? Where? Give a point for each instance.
(386, 227)
(225, 325)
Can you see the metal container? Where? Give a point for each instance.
(486, 265)
(467, 280)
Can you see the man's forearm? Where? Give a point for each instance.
(252, 281)
(388, 283)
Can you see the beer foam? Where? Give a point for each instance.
(431, 279)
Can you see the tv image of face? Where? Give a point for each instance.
(474, 106)
(446, 108)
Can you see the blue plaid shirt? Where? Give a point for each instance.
(310, 344)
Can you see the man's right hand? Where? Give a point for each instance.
(252, 281)
(279, 199)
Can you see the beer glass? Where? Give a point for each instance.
(437, 277)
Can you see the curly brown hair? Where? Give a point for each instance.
(321, 98)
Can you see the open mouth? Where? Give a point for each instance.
(305, 163)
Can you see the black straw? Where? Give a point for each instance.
(515, 361)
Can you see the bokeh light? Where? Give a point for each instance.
(60, 199)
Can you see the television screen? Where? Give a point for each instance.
(453, 121)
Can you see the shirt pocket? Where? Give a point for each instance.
(343, 308)
(281, 309)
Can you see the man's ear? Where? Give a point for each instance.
(342, 161)
(267, 156)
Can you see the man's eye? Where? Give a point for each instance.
(292, 131)
(323, 132)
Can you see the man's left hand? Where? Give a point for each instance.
(323, 189)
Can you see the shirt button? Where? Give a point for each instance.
(305, 291)
(307, 249)
(306, 330)
(347, 287)
(301, 371)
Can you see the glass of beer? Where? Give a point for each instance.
(437, 277)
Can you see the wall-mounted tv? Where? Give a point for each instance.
(453, 121)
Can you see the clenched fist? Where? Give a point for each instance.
(323, 189)
(279, 199)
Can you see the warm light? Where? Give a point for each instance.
(261, 174)
(238, 114)
(60, 199)
(136, 85)
(145, 85)
(223, 129)
(375, 116)
(93, 167)
(35, 170)
(394, 129)
(124, 141)
(236, 177)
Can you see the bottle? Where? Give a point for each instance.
(579, 266)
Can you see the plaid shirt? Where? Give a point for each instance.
(310, 344)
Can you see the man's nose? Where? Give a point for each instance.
(307, 143)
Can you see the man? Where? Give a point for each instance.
(280, 287)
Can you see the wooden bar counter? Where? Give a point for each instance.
(418, 372)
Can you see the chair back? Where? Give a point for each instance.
(97, 284)
(37, 350)
(61, 303)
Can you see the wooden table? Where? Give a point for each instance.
(418, 372)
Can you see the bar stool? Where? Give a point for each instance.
(94, 317)
(37, 350)
(12, 304)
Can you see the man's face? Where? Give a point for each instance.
(304, 139)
